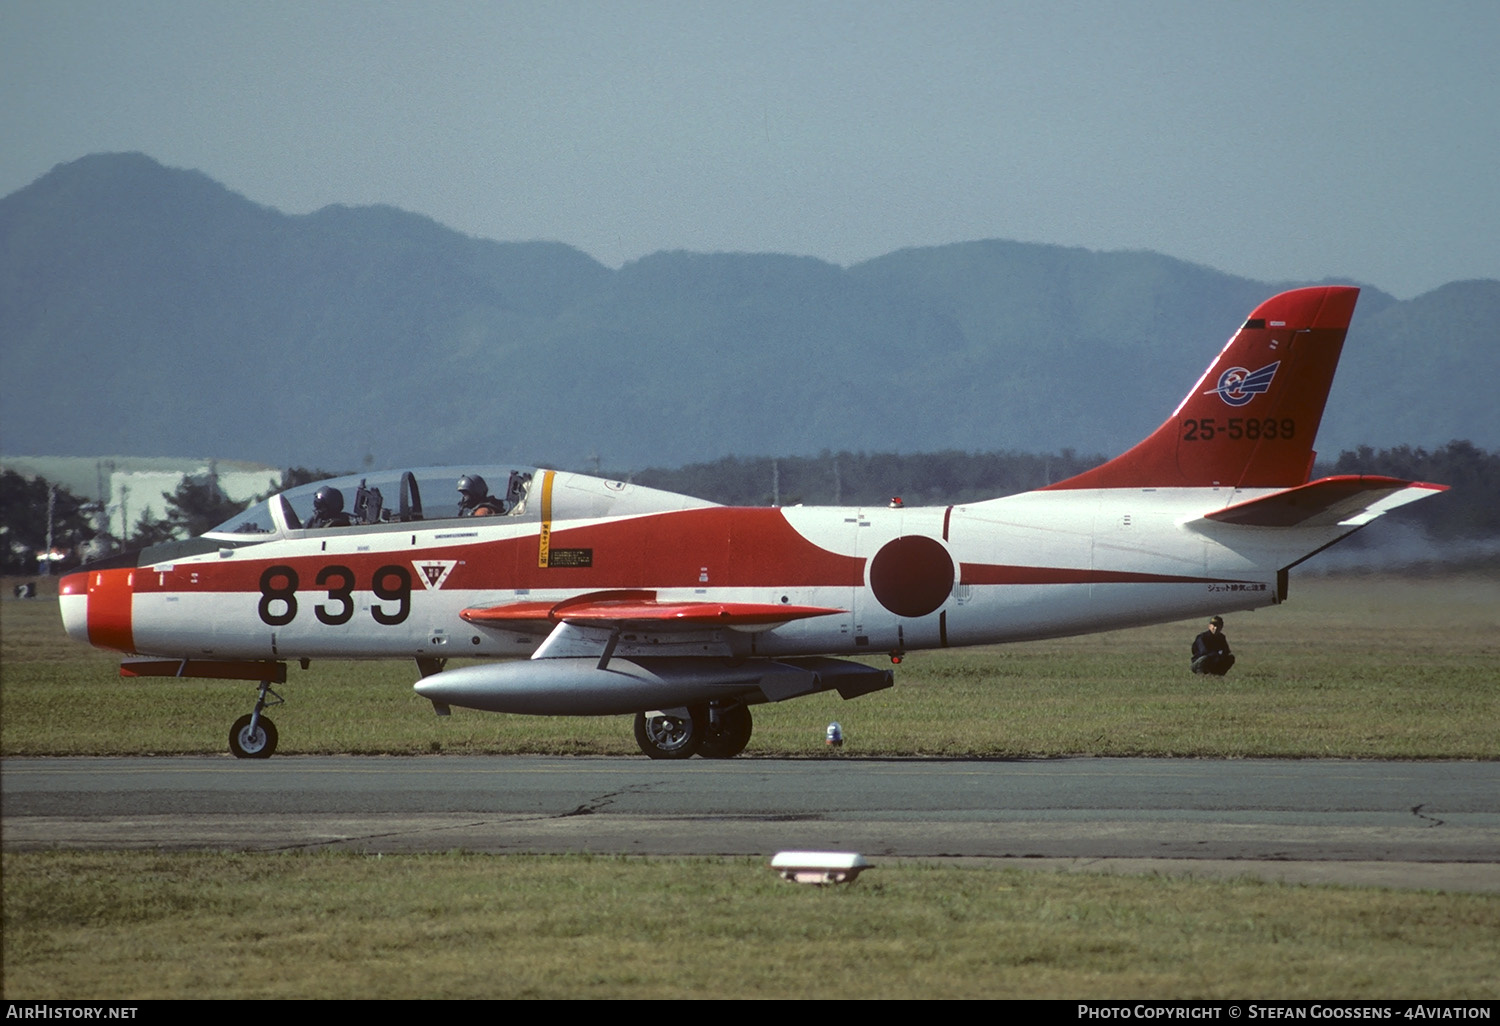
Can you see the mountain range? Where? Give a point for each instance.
(147, 310)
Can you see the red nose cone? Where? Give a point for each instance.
(73, 602)
(96, 607)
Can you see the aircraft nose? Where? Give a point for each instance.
(73, 600)
(97, 607)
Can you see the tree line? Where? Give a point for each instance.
(1471, 506)
(866, 479)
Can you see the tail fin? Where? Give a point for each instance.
(1251, 419)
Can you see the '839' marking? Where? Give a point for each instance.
(1206, 429)
(390, 584)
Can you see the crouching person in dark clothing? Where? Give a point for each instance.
(1211, 650)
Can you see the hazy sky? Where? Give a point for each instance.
(1281, 141)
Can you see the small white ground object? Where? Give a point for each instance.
(835, 735)
(819, 867)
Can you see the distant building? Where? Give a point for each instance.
(132, 486)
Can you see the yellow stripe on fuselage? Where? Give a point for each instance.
(544, 539)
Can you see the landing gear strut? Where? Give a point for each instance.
(253, 736)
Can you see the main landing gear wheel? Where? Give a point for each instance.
(728, 737)
(252, 744)
(667, 736)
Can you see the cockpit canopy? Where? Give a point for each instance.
(387, 497)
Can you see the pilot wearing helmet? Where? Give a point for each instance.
(475, 500)
(328, 509)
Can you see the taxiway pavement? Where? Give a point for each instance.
(1402, 824)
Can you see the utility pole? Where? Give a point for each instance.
(51, 509)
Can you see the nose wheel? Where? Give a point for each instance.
(252, 740)
(253, 736)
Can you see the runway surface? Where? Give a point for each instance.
(1404, 824)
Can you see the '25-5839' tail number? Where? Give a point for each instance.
(1203, 429)
(278, 594)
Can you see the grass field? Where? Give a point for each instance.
(136, 925)
(1373, 667)
(1363, 667)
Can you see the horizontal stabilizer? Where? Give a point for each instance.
(1348, 499)
(642, 609)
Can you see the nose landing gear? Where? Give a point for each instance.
(253, 736)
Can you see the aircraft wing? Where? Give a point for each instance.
(1347, 499)
(641, 610)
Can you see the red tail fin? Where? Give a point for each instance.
(1251, 419)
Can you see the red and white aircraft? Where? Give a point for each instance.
(624, 599)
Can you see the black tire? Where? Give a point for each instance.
(670, 737)
(728, 737)
(244, 745)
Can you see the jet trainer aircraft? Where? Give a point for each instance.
(685, 613)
